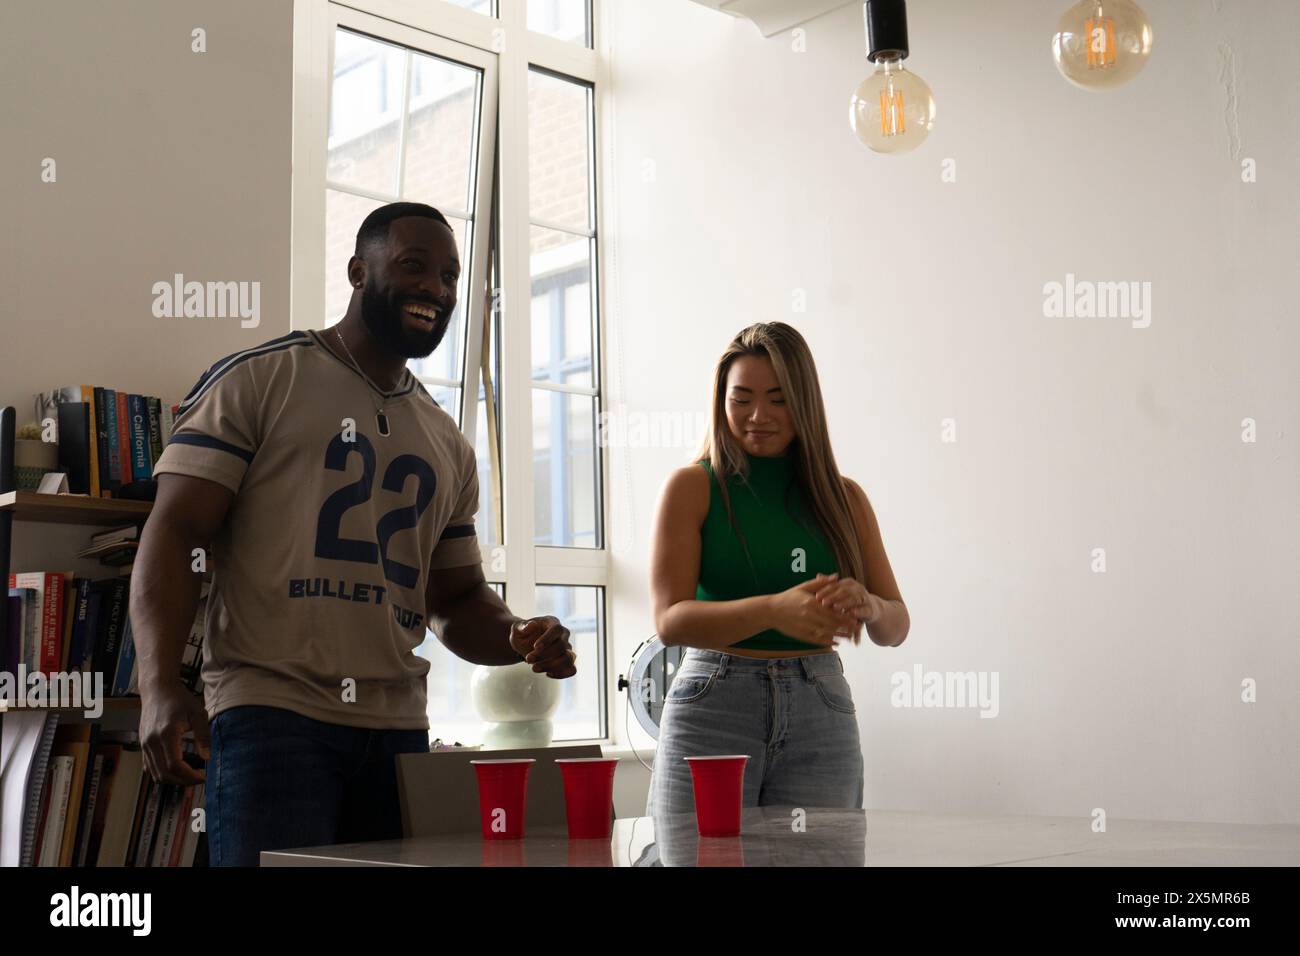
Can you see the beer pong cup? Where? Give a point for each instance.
(719, 787)
(502, 795)
(588, 795)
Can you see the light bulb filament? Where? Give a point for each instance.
(1101, 42)
(892, 120)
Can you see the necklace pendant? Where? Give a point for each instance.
(382, 421)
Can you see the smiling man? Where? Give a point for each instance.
(338, 501)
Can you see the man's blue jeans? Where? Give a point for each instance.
(278, 780)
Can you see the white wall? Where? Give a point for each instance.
(1118, 690)
(166, 161)
(734, 181)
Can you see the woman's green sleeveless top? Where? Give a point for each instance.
(784, 544)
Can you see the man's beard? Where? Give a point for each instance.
(385, 323)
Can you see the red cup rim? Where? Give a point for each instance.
(721, 757)
(586, 759)
(508, 760)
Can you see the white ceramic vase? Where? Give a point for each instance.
(515, 704)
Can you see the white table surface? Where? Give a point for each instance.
(836, 837)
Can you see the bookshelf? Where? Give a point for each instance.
(116, 705)
(59, 509)
(73, 509)
(124, 712)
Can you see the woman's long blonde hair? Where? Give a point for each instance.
(812, 461)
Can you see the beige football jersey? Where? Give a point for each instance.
(317, 600)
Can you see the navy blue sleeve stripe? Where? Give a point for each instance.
(457, 531)
(207, 441)
(223, 366)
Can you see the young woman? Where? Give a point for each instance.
(764, 558)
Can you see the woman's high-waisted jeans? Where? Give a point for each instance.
(793, 716)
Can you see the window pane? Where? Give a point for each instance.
(448, 400)
(365, 112)
(451, 709)
(566, 489)
(343, 216)
(580, 609)
(558, 173)
(440, 136)
(562, 19)
(561, 307)
(447, 360)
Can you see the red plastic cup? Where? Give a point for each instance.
(502, 796)
(589, 796)
(719, 789)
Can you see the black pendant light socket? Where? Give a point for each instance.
(886, 29)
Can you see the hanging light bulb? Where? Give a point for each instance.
(1101, 44)
(892, 110)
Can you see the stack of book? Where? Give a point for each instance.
(108, 439)
(115, 547)
(60, 623)
(74, 795)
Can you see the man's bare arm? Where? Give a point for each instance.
(476, 625)
(187, 514)
(164, 596)
(469, 617)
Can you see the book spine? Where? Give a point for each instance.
(115, 610)
(182, 828)
(114, 462)
(93, 618)
(33, 615)
(162, 849)
(124, 437)
(145, 787)
(127, 786)
(77, 640)
(149, 824)
(141, 459)
(112, 762)
(104, 443)
(37, 855)
(92, 438)
(88, 814)
(69, 617)
(155, 430)
(192, 834)
(52, 623)
(138, 436)
(73, 445)
(14, 652)
(125, 662)
(61, 792)
(32, 626)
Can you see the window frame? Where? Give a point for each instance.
(504, 39)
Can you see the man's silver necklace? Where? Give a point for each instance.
(381, 420)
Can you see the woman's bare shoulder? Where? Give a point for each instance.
(687, 487)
